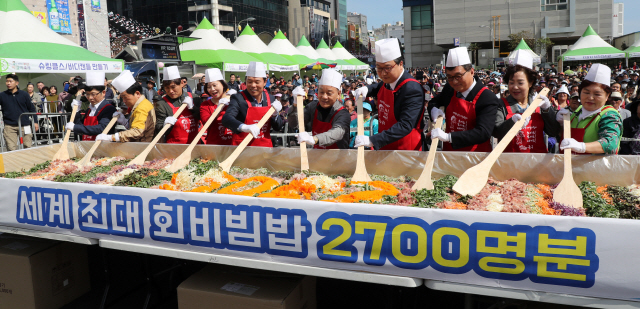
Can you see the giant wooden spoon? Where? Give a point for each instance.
(474, 179)
(184, 159)
(87, 158)
(361, 174)
(424, 182)
(304, 159)
(226, 164)
(567, 192)
(139, 160)
(63, 152)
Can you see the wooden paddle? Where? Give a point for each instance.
(184, 159)
(87, 158)
(424, 182)
(474, 179)
(63, 152)
(226, 164)
(361, 174)
(139, 160)
(304, 159)
(567, 192)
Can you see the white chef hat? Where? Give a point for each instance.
(257, 69)
(170, 73)
(211, 75)
(523, 58)
(458, 56)
(331, 78)
(599, 73)
(123, 81)
(387, 50)
(95, 78)
(563, 89)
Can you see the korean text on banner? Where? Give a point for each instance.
(58, 12)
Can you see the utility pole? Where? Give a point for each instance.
(493, 49)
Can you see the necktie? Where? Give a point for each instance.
(459, 95)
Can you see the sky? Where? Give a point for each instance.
(380, 12)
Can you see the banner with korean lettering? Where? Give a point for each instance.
(59, 19)
(58, 66)
(566, 255)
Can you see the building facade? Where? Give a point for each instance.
(361, 22)
(433, 28)
(388, 31)
(617, 25)
(310, 18)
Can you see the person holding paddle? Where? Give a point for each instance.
(327, 117)
(470, 107)
(216, 88)
(97, 116)
(142, 116)
(185, 127)
(595, 126)
(249, 106)
(521, 78)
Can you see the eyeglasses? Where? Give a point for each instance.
(456, 78)
(92, 94)
(385, 69)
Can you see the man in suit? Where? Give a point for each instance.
(99, 113)
(400, 100)
(616, 100)
(248, 107)
(470, 107)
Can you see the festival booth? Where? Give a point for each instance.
(524, 47)
(633, 53)
(325, 52)
(29, 48)
(592, 48)
(342, 54)
(251, 44)
(281, 45)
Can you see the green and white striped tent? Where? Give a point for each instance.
(524, 47)
(251, 44)
(634, 50)
(325, 52)
(29, 46)
(305, 48)
(591, 47)
(283, 47)
(342, 54)
(213, 50)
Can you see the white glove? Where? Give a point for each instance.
(253, 129)
(362, 140)
(441, 135)
(224, 101)
(545, 103)
(575, 146)
(231, 92)
(70, 126)
(277, 105)
(362, 91)
(517, 118)
(304, 137)
(189, 101)
(560, 115)
(76, 103)
(104, 138)
(170, 120)
(121, 119)
(299, 91)
(435, 113)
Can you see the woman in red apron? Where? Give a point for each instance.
(216, 88)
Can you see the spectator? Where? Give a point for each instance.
(200, 88)
(631, 129)
(185, 85)
(40, 85)
(14, 103)
(109, 93)
(234, 83)
(296, 81)
(34, 97)
(53, 105)
(616, 102)
(348, 103)
(370, 124)
(150, 92)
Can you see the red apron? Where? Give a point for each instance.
(319, 127)
(531, 138)
(91, 121)
(578, 134)
(461, 116)
(185, 129)
(387, 118)
(217, 134)
(254, 114)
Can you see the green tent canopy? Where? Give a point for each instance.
(281, 45)
(325, 52)
(341, 53)
(29, 46)
(634, 50)
(524, 47)
(591, 47)
(251, 44)
(305, 48)
(211, 49)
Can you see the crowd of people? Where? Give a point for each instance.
(124, 31)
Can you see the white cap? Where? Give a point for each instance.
(170, 73)
(563, 89)
(331, 78)
(387, 50)
(211, 75)
(599, 73)
(123, 81)
(95, 78)
(523, 58)
(458, 56)
(257, 69)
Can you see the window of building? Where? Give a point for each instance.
(421, 17)
(553, 5)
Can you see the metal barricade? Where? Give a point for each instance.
(289, 139)
(48, 133)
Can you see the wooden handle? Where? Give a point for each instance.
(361, 168)
(63, 152)
(226, 164)
(568, 170)
(139, 160)
(424, 182)
(304, 158)
(87, 158)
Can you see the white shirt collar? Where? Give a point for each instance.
(466, 93)
(393, 85)
(94, 108)
(584, 114)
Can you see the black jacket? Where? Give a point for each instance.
(15, 104)
(342, 120)
(163, 110)
(408, 109)
(631, 128)
(237, 113)
(486, 109)
(104, 118)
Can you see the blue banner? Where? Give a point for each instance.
(58, 12)
(95, 5)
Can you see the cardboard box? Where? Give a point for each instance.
(39, 273)
(222, 287)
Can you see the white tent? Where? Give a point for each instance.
(524, 47)
(251, 44)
